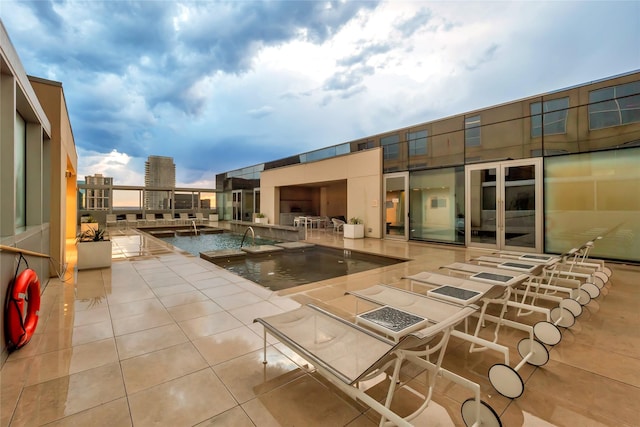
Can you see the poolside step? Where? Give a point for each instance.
(295, 245)
(221, 254)
(261, 249)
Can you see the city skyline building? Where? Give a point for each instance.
(159, 172)
(98, 198)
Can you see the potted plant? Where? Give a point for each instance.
(354, 228)
(87, 223)
(261, 218)
(94, 249)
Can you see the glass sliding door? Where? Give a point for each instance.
(396, 206)
(504, 205)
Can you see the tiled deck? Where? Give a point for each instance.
(164, 338)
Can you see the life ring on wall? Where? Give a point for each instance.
(20, 325)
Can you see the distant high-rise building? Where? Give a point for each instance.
(159, 172)
(98, 198)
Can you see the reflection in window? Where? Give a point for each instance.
(365, 145)
(590, 195)
(391, 150)
(436, 205)
(614, 106)
(549, 117)
(472, 131)
(417, 143)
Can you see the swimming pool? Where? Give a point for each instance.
(212, 242)
(284, 269)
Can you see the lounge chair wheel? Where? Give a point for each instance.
(540, 353)
(506, 381)
(592, 290)
(547, 333)
(488, 417)
(600, 279)
(562, 317)
(572, 305)
(583, 297)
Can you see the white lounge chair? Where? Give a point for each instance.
(112, 220)
(150, 219)
(184, 218)
(131, 220)
(167, 218)
(199, 218)
(439, 306)
(346, 354)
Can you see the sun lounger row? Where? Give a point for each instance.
(132, 220)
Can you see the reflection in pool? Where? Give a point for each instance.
(284, 269)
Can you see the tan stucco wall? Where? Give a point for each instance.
(64, 163)
(361, 171)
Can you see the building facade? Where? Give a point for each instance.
(544, 173)
(159, 172)
(98, 197)
(38, 164)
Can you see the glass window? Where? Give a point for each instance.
(472, 131)
(614, 106)
(417, 143)
(365, 145)
(594, 194)
(20, 173)
(436, 205)
(391, 150)
(549, 117)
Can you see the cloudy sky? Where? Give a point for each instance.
(219, 85)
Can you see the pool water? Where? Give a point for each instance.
(283, 269)
(213, 242)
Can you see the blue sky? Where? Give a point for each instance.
(222, 85)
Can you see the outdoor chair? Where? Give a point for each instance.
(131, 220)
(167, 218)
(112, 220)
(346, 354)
(338, 225)
(150, 219)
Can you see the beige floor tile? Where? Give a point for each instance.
(188, 400)
(216, 292)
(219, 348)
(61, 397)
(149, 340)
(235, 417)
(212, 282)
(303, 401)
(140, 322)
(151, 305)
(173, 289)
(111, 414)
(209, 325)
(129, 295)
(246, 314)
(72, 360)
(150, 369)
(193, 310)
(92, 332)
(183, 298)
(241, 299)
(247, 377)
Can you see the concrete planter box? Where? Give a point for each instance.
(353, 231)
(94, 254)
(264, 220)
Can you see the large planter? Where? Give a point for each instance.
(94, 254)
(353, 231)
(263, 220)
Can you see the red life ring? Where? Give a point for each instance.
(20, 326)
